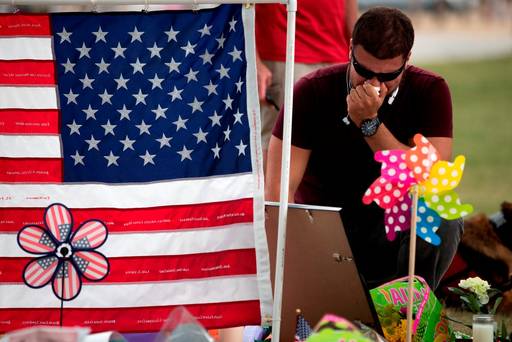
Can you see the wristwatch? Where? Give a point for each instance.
(369, 126)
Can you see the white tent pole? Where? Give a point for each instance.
(285, 170)
(135, 2)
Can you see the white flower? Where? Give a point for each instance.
(478, 286)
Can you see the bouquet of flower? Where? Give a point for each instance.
(477, 295)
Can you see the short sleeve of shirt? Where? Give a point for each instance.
(303, 108)
(435, 109)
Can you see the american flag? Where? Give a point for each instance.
(145, 121)
(302, 328)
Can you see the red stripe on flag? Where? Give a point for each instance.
(33, 170)
(24, 25)
(156, 268)
(141, 319)
(25, 72)
(23, 121)
(140, 220)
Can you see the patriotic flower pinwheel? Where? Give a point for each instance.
(66, 255)
(420, 166)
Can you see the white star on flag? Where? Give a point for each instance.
(143, 128)
(119, 51)
(78, 158)
(201, 136)
(180, 123)
(93, 143)
(164, 141)
(176, 94)
(109, 128)
(196, 105)
(241, 148)
(127, 143)
(189, 48)
(111, 159)
(64, 36)
(100, 35)
(185, 153)
(90, 113)
(155, 51)
(173, 66)
(68, 66)
(136, 35)
(148, 158)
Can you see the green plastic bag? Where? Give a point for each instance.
(390, 302)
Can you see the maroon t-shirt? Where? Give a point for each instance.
(341, 165)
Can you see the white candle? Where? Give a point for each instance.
(483, 332)
(483, 328)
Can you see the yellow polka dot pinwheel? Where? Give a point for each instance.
(435, 179)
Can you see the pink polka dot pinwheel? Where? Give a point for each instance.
(420, 166)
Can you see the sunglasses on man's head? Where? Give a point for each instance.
(381, 76)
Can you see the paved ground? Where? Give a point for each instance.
(461, 37)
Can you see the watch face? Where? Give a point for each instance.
(369, 126)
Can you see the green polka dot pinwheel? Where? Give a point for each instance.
(434, 179)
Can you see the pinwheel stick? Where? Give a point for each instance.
(62, 300)
(412, 260)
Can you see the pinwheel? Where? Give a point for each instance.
(64, 255)
(415, 188)
(435, 180)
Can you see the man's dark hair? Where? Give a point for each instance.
(384, 32)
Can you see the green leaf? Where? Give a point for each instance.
(493, 292)
(472, 303)
(457, 291)
(457, 321)
(495, 306)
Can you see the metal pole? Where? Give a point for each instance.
(285, 170)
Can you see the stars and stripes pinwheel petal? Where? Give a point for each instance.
(66, 256)
(66, 282)
(419, 166)
(36, 240)
(39, 272)
(91, 234)
(59, 221)
(92, 265)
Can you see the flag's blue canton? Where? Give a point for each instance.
(152, 96)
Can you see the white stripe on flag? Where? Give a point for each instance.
(197, 190)
(28, 97)
(24, 146)
(180, 242)
(12, 48)
(211, 290)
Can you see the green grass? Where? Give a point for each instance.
(482, 106)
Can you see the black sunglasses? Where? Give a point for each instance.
(381, 76)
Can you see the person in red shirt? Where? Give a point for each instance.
(323, 30)
(340, 120)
